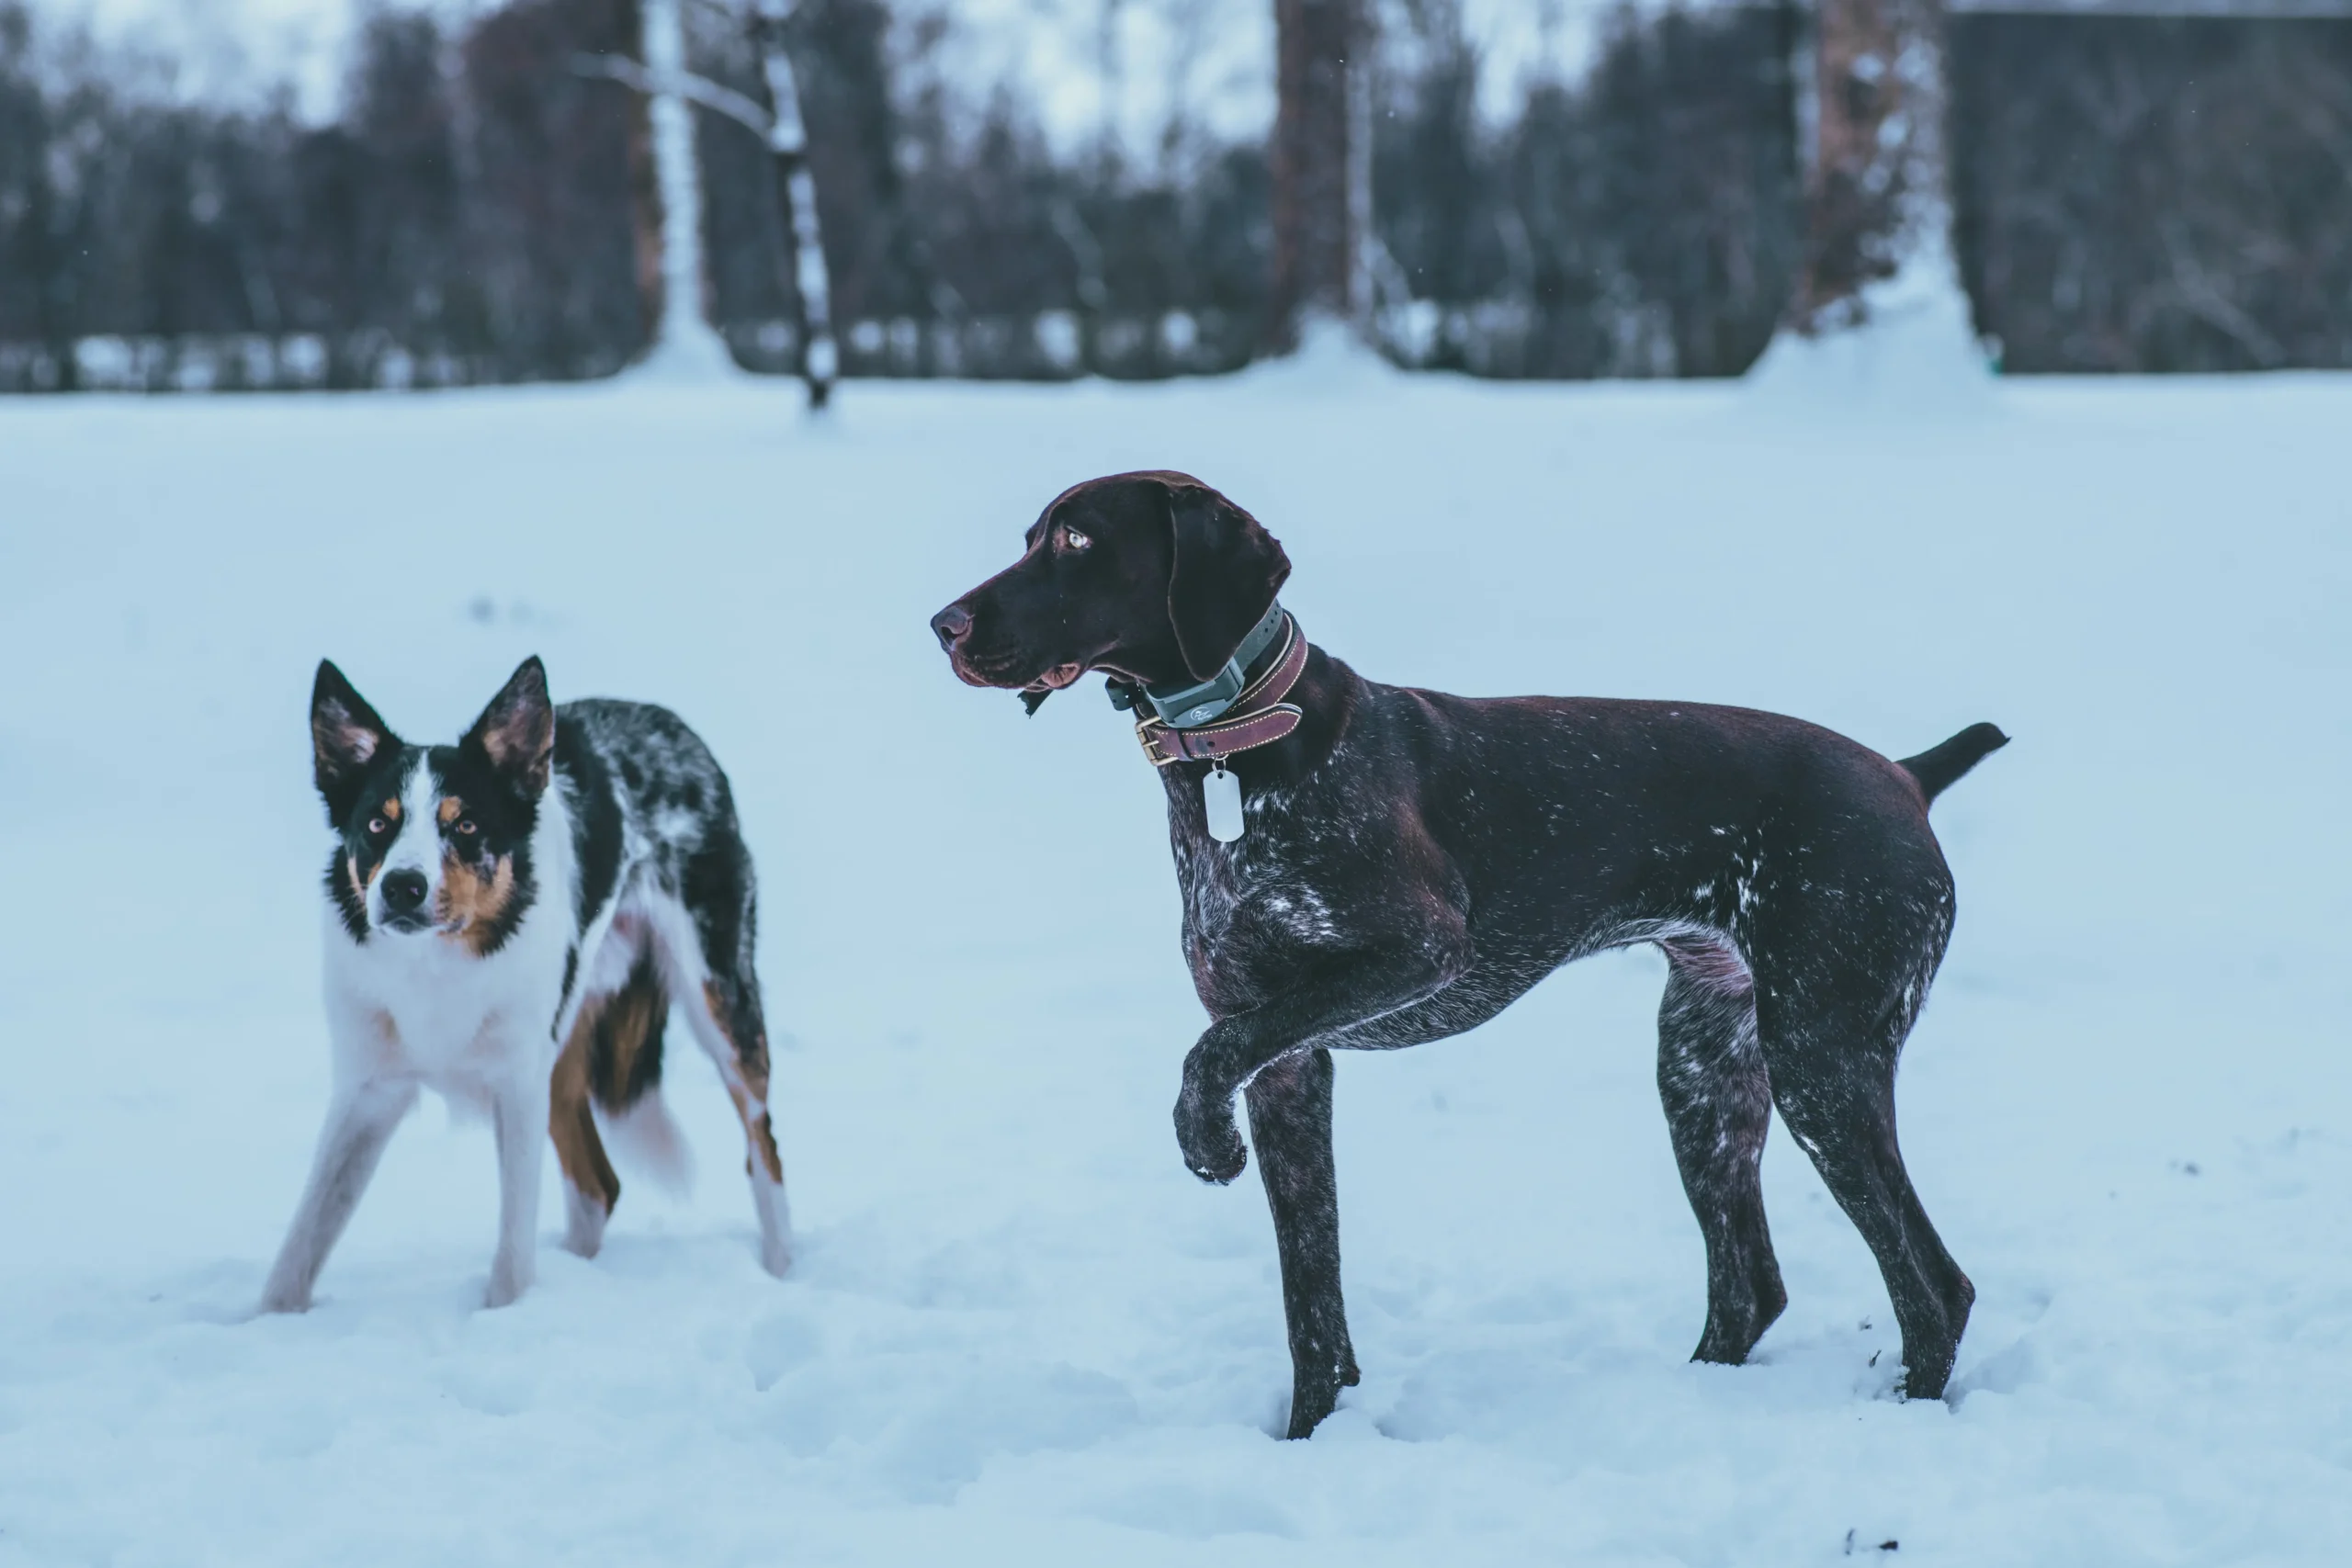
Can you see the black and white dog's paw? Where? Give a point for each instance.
(1205, 1132)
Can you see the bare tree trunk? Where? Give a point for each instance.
(797, 189)
(1877, 194)
(683, 341)
(645, 211)
(1321, 178)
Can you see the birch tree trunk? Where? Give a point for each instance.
(685, 344)
(1321, 165)
(796, 188)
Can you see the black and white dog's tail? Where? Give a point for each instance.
(1941, 767)
(625, 1042)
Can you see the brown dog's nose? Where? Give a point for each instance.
(954, 625)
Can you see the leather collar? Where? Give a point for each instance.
(1185, 706)
(1256, 716)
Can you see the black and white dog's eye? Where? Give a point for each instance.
(1074, 539)
(466, 825)
(377, 824)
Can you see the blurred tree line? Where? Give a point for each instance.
(2169, 193)
(2130, 193)
(1643, 221)
(472, 208)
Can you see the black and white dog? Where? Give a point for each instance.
(558, 875)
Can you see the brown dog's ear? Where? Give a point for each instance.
(516, 731)
(1225, 573)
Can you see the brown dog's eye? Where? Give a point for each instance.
(1073, 540)
(466, 825)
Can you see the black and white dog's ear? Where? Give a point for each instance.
(516, 732)
(1225, 573)
(346, 740)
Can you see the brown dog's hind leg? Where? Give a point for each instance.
(1833, 1080)
(1845, 938)
(1290, 1122)
(1718, 1107)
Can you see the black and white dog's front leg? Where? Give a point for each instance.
(1290, 1120)
(519, 1116)
(359, 1125)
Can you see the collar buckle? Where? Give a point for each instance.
(1256, 716)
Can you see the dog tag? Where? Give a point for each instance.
(1221, 795)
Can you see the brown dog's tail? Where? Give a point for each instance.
(1941, 767)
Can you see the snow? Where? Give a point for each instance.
(1017, 1330)
(1915, 349)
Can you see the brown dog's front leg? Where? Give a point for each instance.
(1236, 1049)
(1290, 1120)
(1205, 1131)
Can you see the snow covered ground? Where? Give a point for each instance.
(1017, 1330)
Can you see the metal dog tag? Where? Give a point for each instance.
(1221, 795)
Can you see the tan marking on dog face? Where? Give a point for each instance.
(391, 809)
(473, 901)
(359, 885)
(451, 809)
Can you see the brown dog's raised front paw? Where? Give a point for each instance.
(1205, 1132)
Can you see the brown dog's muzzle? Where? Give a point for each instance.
(952, 626)
(998, 667)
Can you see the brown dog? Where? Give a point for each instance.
(1409, 864)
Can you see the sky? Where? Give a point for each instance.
(1214, 56)
(229, 48)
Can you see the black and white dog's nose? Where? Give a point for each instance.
(954, 625)
(404, 891)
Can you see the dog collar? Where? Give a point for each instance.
(1186, 707)
(1256, 715)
